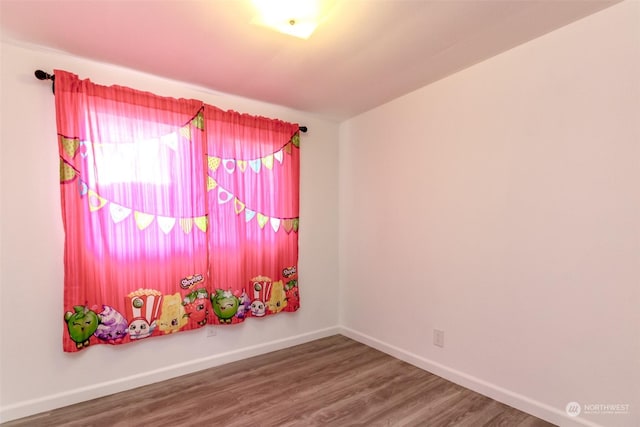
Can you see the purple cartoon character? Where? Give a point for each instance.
(245, 306)
(112, 327)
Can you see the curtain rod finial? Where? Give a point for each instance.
(41, 75)
(303, 129)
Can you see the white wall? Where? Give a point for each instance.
(35, 374)
(502, 205)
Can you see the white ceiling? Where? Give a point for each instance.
(366, 53)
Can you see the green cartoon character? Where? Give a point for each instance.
(225, 305)
(81, 323)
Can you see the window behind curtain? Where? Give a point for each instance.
(176, 214)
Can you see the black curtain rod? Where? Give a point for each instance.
(42, 75)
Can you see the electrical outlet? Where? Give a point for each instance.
(438, 338)
(211, 331)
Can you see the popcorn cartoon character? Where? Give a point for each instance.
(142, 308)
(261, 286)
(258, 308)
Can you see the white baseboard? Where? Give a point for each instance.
(518, 401)
(48, 403)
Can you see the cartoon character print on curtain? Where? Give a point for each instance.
(194, 236)
(255, 232)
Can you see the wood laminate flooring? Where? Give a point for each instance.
(333, 381)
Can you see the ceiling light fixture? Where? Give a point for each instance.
(298, 18)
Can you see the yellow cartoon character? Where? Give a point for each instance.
(278, 299)
(173, 317)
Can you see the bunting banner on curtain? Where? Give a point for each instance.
(176, 214)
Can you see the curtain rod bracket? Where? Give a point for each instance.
(42, 75)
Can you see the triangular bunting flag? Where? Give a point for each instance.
(229, 165)
(213, 162)
(211, 183)
(186, 224)
(296, 224)
(198, 121)
(262, 220)
(166, 223)
(224, 196)
(267, 161)
(242, 165)
(278, 155)
(185, 131)
(295, 140)
(95, 201)
(275, 224)
(143, 220)
(238, 206)
(287, 224)
(70, 146)
(67, 172)
(249, 214)
(118, 213)
(287, 148)
(255, 165)
(201, 222)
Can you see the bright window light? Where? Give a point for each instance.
(139, 162)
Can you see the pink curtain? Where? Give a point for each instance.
(176, 214)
